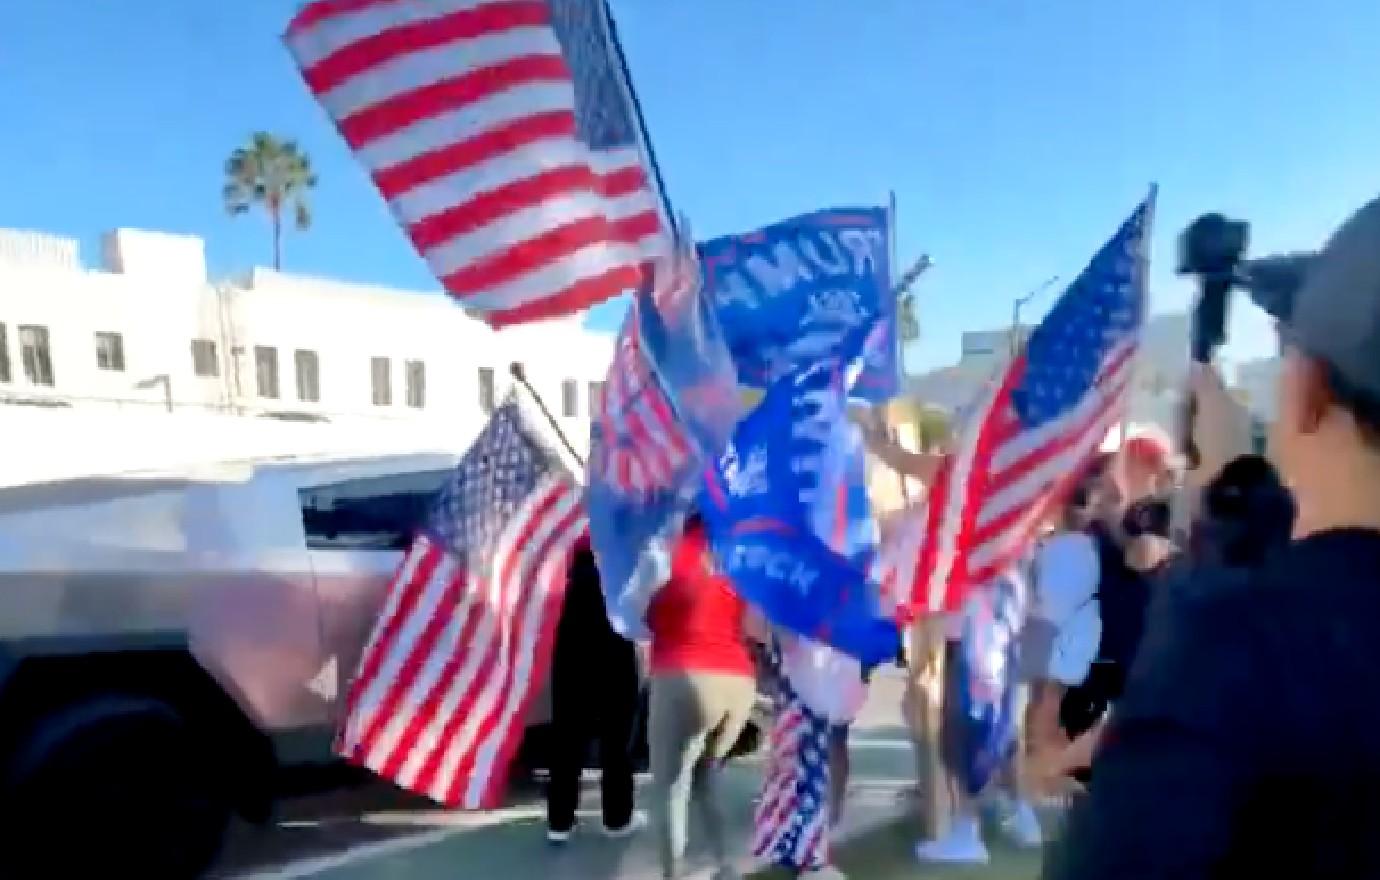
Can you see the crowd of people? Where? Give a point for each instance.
(1193, 675)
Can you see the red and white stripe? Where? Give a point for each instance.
(990, 496)
(463, 112)
(654, 447)
(781, 788)
(441, 697)
(644, 444)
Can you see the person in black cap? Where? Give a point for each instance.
(1245, 744)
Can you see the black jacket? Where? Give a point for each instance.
(1247, 743)
(588, 651)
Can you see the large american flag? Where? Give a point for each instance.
(440, 699)
(1032, 433)
(791, 821)
(503, 136)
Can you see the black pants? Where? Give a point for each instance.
(593, 702)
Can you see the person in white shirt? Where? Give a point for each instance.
(1064, 632)
(977, 645)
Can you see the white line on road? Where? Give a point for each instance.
(314, 865)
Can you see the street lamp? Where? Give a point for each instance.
(1019, 303)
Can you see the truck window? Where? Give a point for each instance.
(373, 513)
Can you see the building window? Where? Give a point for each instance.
(110, 352)
(36, 354)
(486, 389)
(416, 384)
(381, 378)
(266, 370)
(5, 375)
(596, 398)
(308, 375)
(570, 398)
(204, 360)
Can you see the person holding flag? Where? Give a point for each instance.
(1029, 436)
(786, 507)
(703, 684)
(595, 695)
(468, 627)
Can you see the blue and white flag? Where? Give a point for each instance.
(789, 294)
(993, 616)
(786, 512)
(670, 402)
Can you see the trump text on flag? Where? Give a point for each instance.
(789, 293)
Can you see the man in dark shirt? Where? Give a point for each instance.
(1247, 743)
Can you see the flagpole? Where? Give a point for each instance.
(646, 138)
(1143, 280)
(520, 376)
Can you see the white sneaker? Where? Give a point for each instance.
(827, 872)
(961, 846)
(559, 838)
(636, 823)
(1022, 826)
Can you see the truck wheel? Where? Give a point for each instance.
(117, 784)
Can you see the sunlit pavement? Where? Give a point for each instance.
(377, 834)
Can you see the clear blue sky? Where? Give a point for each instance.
(1015, 134)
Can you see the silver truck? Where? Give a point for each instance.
(169, 641)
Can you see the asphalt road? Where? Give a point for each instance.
(360, 828)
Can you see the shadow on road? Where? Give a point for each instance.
(328, 810)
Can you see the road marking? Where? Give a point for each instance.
(863, 744)
(314, 865)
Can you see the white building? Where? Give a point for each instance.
(1160, 376)
(145, 359)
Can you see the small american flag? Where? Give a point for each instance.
(440, 700)
(503, 136)
(643, 445)
(791, 821)
(1033, 431)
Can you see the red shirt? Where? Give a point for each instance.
(696, 618)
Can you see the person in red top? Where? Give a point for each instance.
(703, 683)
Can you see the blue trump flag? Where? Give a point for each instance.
(669, 404)
(786, 512)
(789, 294)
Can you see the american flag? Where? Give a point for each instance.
(642, 445)
(1033, 431)
(503, 136)
(440, 699)
(791, 821)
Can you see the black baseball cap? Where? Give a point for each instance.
(1332, 310)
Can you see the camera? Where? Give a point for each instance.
(1213, 245)
(1213, 248)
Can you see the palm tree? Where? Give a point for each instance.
(274, 174)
